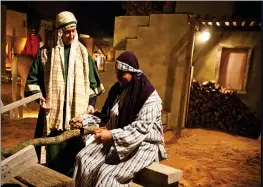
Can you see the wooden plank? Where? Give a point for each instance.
(18, 162)
(49, 173)
(14, 182)
(33, 177)
(187, 83)
(188, 96)
(21, 102)
(158, 175)
(39, 175)
(14, 113)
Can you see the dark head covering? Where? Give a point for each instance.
(138, 91)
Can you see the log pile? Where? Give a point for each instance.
(213, 107)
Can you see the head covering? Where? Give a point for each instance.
(65, 20)
(137, 93)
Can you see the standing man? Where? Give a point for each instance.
(69, 82)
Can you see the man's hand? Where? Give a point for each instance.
(103, 135)
(43, 104)
(90, 109)
(76, 122)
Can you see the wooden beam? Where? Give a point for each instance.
(21, 102)
(38, 175)
(14, 182)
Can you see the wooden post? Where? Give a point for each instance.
(186, 87)
(3, 39)
(188, 97)
(14, 113)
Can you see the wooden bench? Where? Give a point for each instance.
(22, 169)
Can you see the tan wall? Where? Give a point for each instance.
(213, 8)
(126, 27)
(162, 51)
(15, 20)
(205, 61)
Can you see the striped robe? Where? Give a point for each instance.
(134, 147)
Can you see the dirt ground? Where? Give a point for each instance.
(207, 158)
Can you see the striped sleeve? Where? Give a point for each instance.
(130, 137)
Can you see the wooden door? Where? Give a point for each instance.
(232, 68)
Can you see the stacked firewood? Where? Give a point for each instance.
(213, 107)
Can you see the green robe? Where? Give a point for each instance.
(60, 157)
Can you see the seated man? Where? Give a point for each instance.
(133, 137)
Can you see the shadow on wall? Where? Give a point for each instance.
(121, 45)
(173, 63)
(251, 97)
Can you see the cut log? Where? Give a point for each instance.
(48, 140)
(214, 107)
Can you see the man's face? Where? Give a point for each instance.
(68, 35)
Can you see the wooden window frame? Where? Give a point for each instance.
(218, 64)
